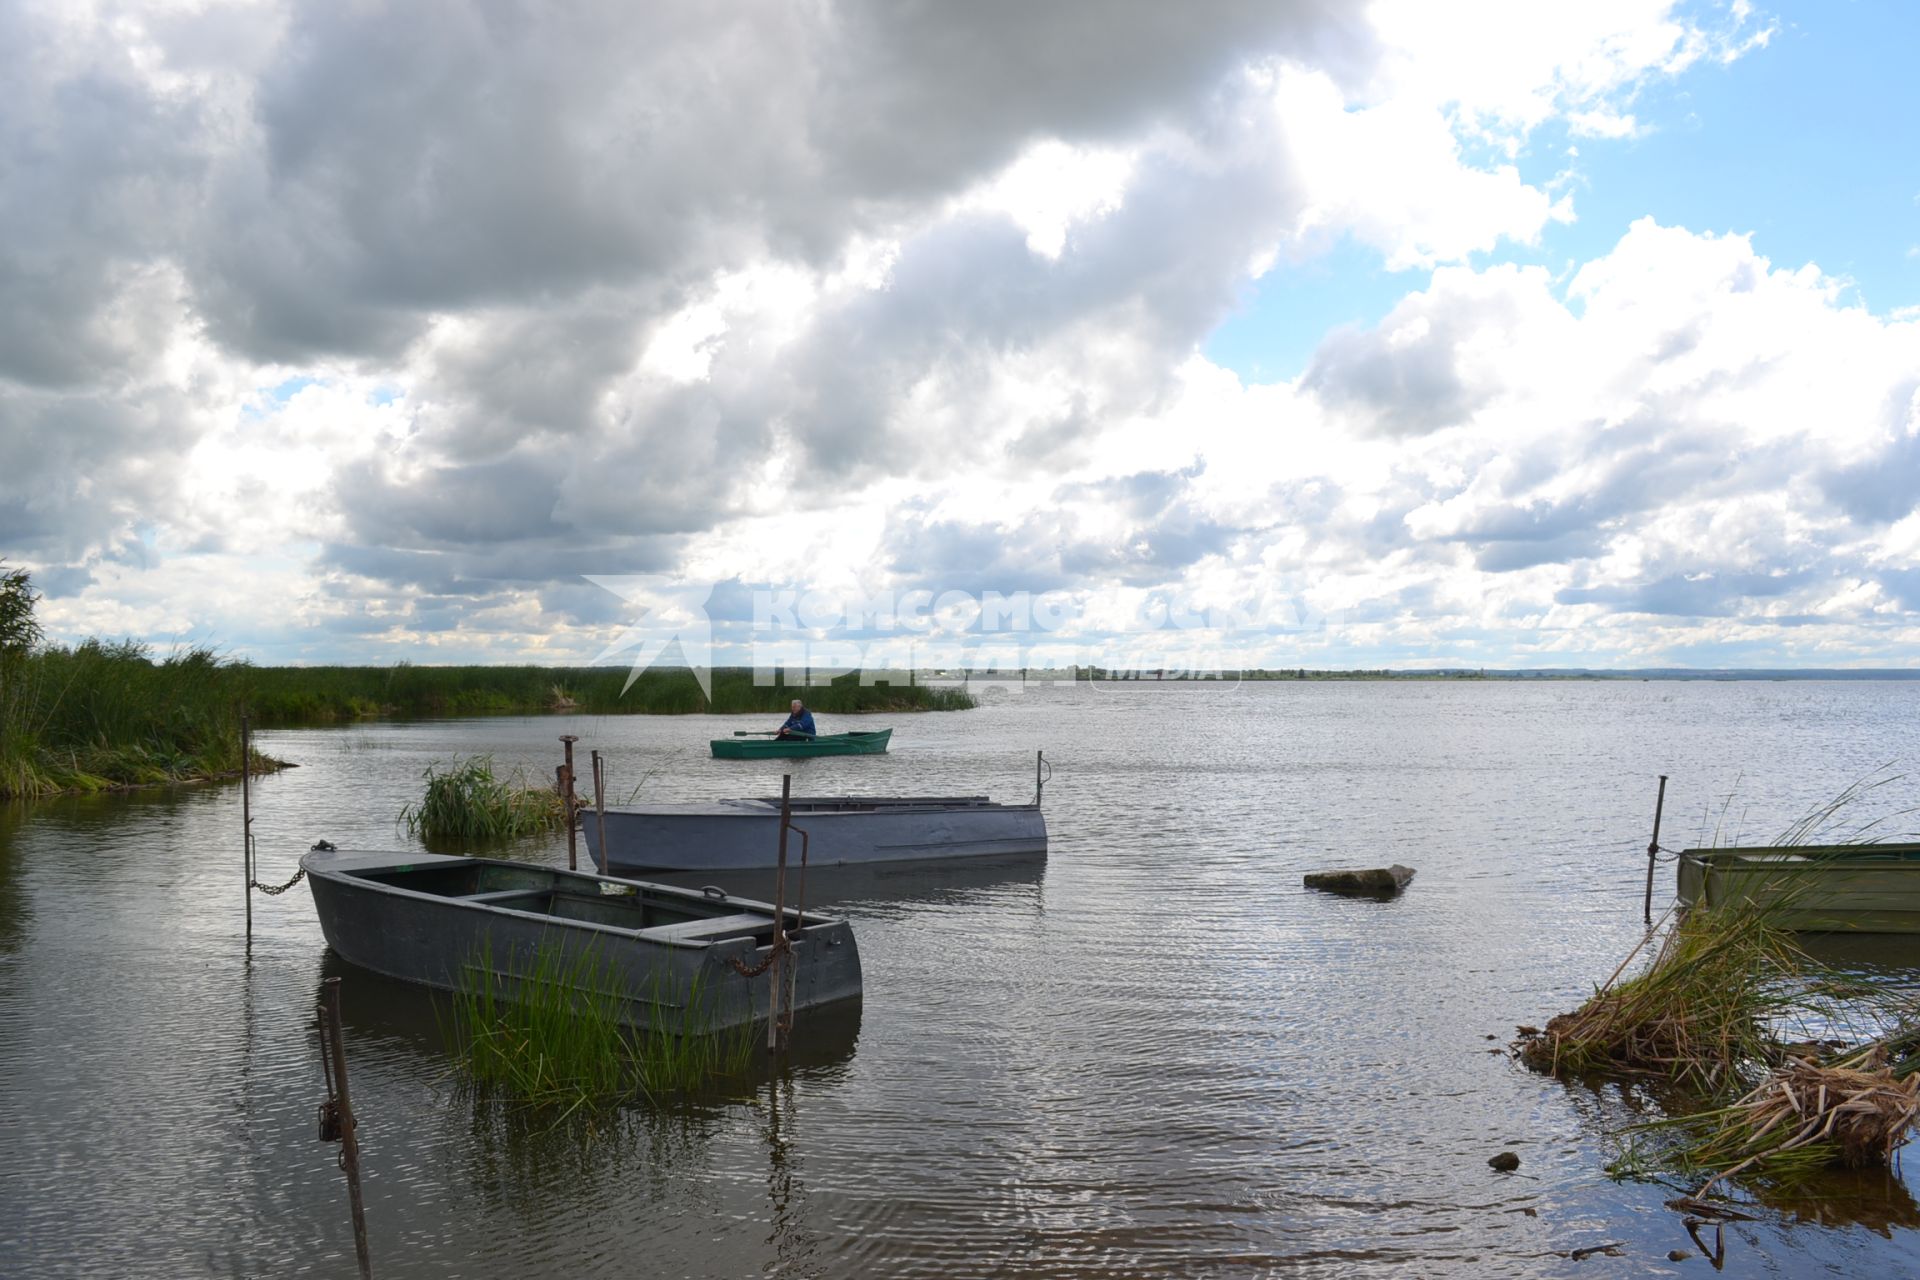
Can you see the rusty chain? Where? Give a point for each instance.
(271, 891)
(780, 944)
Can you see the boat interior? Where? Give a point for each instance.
(1808, 853)
(869, 804)
(687, 916)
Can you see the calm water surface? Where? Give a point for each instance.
(1155, 1054)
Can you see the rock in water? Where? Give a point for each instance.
(1376, 882)
(1505, 1162)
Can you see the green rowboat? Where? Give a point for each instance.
(827, 744)
(1836, 888)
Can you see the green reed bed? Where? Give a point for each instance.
(101, 715)
(467, 801)
(97, 716)
(548, 1031)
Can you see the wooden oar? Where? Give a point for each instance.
(770, 733)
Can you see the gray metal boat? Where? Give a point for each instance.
(828, 831)
(677, 954)
(831, 831)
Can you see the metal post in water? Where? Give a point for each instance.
(600, 808)
(1039, 763)
(246, 818)
(334, 1047)
(775, 989)
(1653, 849)
(567, 798)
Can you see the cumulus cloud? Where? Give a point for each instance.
(417, 313)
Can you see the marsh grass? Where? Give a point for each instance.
(1708, 1005)
(99, 716)
(466, 801)
(549, 1033)
(682, 1051)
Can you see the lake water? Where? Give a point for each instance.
(1155, 1054)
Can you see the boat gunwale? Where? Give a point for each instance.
(348, 879)
(1805, 856)
(737, 808)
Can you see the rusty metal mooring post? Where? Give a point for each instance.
(338, 1113)
(776, 988)
(246, 818)
(567, 798)
(600, 809)
(1653, 849)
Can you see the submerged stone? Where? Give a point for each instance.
(1372, 882)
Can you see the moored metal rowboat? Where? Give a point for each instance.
(729, 835)
(1849, 888)
(675, 954)
(827, 744)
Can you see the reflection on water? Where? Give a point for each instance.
(1151, 1053)
(384, 1013)
(1005, 881)
(1873, 1199)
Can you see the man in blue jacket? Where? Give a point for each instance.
(799, 724)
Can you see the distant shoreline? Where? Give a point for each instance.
(1469, 673)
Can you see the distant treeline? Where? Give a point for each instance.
(329, 695)
(100, 715)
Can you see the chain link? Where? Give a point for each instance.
(270, 891)
(780, 944)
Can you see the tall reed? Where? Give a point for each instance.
(549, 1031)
(98, 715)
(466, 801)
(1705, 1008)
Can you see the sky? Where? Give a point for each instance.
(1266, 334)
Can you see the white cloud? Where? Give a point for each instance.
(426, 321)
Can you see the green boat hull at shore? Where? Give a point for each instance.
(829, 744)
(1861, 888)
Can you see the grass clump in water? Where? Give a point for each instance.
(466, 801)
(1701, 1010)
(681, 1051)
(1805, 1118)
(1783, 1067)
(551, 1032)
(1734, 1013)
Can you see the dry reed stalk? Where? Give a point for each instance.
(1805, 1116)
